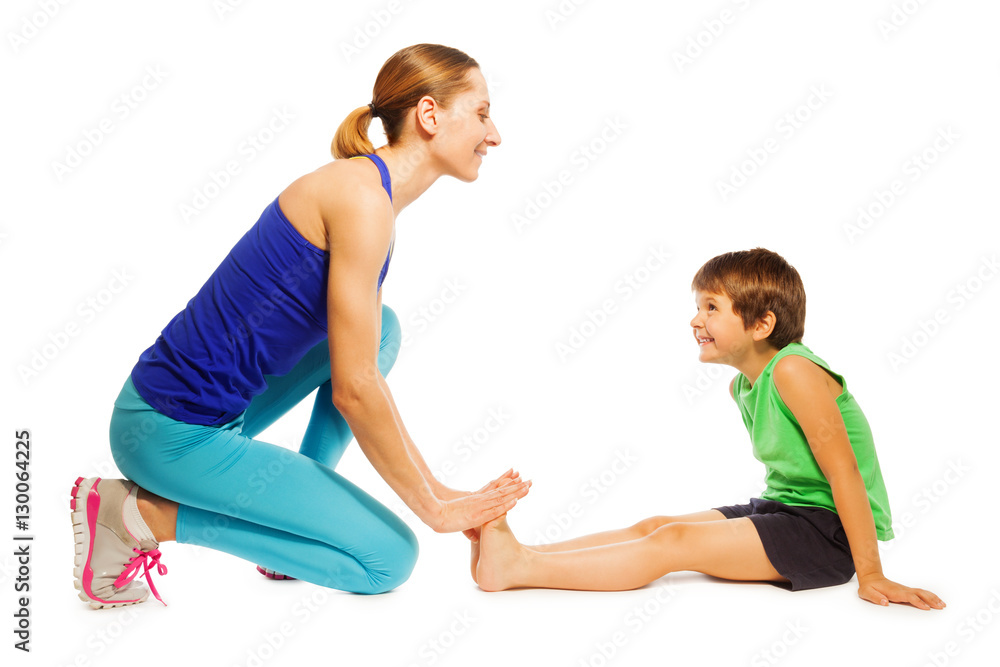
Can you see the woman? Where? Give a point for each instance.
(295, 306)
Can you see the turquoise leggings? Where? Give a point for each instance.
(287, 511)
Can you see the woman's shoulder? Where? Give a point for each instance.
(337, 192)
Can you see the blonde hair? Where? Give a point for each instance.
(418, 70)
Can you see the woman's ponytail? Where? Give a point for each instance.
(351, 138)
(411, 73)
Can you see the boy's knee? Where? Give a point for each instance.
(647, 526)
(671, 533)
(391, 341)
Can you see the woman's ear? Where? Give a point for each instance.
(426, 111)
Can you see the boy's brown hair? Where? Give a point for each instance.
(758, 281)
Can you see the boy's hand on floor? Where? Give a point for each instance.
(881, 591)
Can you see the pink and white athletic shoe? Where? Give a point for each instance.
(113, 543)
(271, 574)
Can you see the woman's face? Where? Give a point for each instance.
(468, 130)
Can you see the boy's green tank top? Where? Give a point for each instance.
(792, 475)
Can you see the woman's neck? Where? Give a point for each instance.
(411, 169)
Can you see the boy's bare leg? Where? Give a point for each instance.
(634, 532)
(730, 549)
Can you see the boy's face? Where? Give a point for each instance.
(721, 336)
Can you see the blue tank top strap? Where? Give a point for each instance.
(382, 169)
(387, 184)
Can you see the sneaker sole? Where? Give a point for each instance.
(84, 506)
(274, 575)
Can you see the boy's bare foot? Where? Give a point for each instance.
(502, 559)
(475, 561)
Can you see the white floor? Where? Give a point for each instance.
(860, 142)
(222, 612)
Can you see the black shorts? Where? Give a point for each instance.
(806, 545)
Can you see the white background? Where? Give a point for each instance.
(893, 77)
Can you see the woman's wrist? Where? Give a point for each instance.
(447, 493)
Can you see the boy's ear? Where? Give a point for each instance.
(764, 326)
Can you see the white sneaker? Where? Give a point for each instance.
(112, 543)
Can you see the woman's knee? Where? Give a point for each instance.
(391, 341)
(396, 557)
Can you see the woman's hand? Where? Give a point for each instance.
(881, 591)
(445, 493)
(467, 511)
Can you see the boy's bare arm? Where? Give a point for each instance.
(803, 387)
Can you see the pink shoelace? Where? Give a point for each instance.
(143, 559)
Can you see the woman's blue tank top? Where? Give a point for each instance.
(258, 314)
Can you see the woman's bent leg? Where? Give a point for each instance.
(284, 510)
(267, 504)
(328, 434)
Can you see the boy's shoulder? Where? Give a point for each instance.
(801, 370)
(793, 367)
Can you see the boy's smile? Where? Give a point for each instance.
(723, 339)
(719, 332)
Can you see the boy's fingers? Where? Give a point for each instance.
(874, 596)
(931, 599)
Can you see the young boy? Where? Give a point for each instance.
(825, 505)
